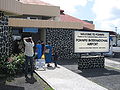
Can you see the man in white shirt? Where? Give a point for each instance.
(29, 52)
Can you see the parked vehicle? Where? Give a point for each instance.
(113, 51)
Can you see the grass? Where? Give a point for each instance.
(113, 67)
(43, 83)
(48, 89)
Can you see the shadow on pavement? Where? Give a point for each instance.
(68, 62)
(31, 80)
(98, 72)
(51, 68)
(88, 72)
(8, 87)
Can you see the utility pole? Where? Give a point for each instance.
(116, 29)
(116, 35)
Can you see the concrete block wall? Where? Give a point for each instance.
(5, 36)
(89, 62)
(62, 40)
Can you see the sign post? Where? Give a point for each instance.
(88, 42)
(91, 42)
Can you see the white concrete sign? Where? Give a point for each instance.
(91, 41)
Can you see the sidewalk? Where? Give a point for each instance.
(64, 79)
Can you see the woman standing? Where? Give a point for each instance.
(48, 54)
(38, 50)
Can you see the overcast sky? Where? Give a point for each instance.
(104, 13)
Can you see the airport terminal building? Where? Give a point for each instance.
(41, 20)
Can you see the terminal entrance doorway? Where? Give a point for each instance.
(19, 34)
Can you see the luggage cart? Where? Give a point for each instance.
(40, 64)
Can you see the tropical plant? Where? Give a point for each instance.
(10, 66)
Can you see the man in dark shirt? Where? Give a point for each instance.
(43, 46)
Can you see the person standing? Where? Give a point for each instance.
(48, 54)
(38, 50)
(15, 47)
(29, 52)
(55, 57)
(43, 46)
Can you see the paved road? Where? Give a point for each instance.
(114, 59)
(106, 77)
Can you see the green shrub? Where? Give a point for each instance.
(10, 66)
